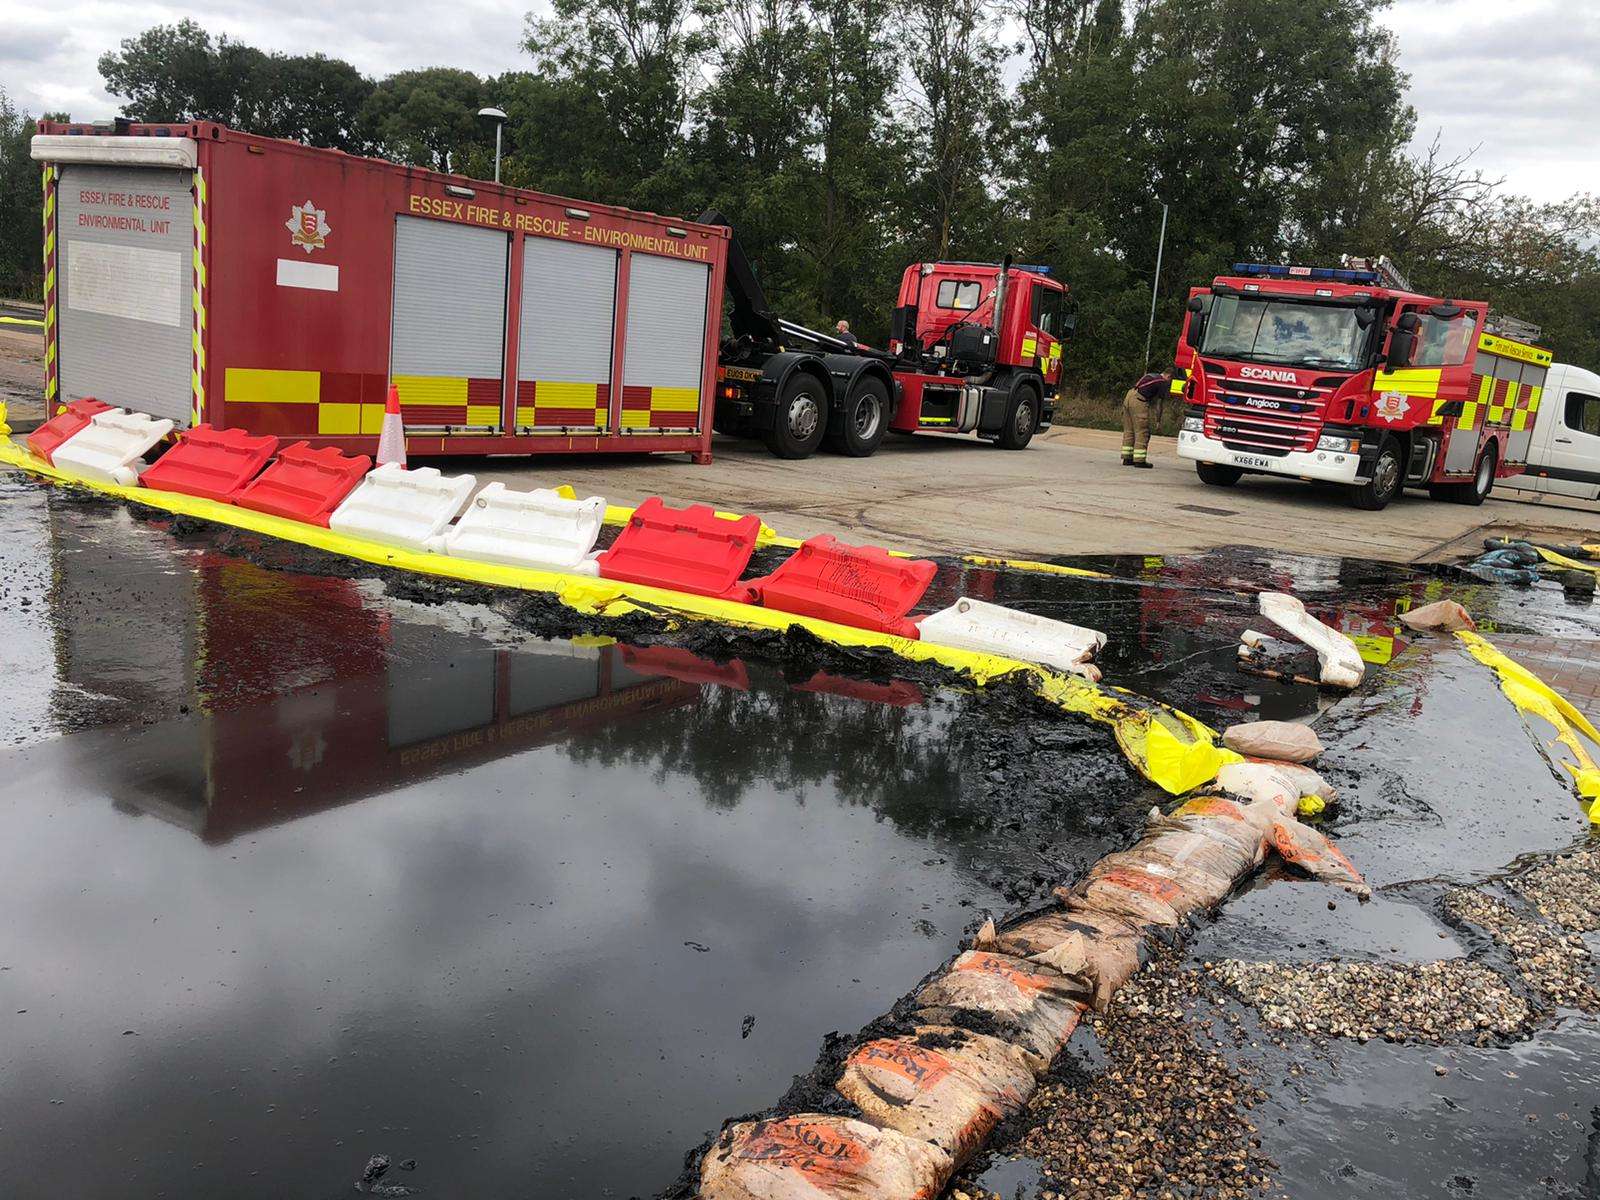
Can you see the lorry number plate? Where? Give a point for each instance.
(1245, 460)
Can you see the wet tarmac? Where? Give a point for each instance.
(302, 870)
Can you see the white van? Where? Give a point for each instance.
(1564, 455)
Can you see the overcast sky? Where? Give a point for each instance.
(1521, 80)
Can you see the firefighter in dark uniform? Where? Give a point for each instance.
(1136, 405)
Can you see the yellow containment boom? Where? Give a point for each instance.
(1535, 698)
(1168, 747)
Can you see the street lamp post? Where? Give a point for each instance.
(1155, 287)
(499, 118)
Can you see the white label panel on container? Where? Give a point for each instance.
(316, 277)
(137, 283)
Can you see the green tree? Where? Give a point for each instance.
(21, 200)
(958, 105)
(1264, 127)
(172, 73)
(429, 118)
(755, 133)
(613, 112)
(848, 231)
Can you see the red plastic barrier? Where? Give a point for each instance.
(304, 484)
(676, 663)
(213, 463)
(862, 586)
(44, 440)
(686, 549)
(898, 692)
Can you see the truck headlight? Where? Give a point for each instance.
(1194, 424)
(1340, 445)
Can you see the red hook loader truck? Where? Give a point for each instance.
(973, 348)
(1348, 375)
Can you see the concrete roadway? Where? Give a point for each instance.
(1066, 494)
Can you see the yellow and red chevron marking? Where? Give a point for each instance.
(553, 404)
(660, 408)
(51, 334)
(448, 400)
(348, 403)
(202, 293)
(1508, 403)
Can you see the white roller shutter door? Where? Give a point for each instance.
(566, 333)
(665, 349)
(448, 327)
(126, 288)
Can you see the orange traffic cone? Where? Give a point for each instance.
(392, 438)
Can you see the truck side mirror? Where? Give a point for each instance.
(1199, 309)
(1069, 325)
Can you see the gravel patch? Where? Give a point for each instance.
(1554, 965)
(1166, 1116)
(1434, 1003)
(1566, 889)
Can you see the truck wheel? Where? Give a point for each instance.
(1388, 477)
(1218, 475)
(1022, 415)
(801, 419)
(1476, 492)
(865, 420)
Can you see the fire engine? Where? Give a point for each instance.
(1349, 375)
(974, 348)
(204, 275)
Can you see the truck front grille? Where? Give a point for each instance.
(1264, 418)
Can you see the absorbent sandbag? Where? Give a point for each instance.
(1278, 784)
(1032, 1006)
(944, 1085)
(1102, 949)
(1445, 615)
(1206, 867)
(1309, 850)
(1127, 888)
(1221, 820)
(1340, 660)
(1283, 741)
(816, 1157)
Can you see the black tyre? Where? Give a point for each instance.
(1022, 418)
(1387, 479)
(801, 419)
(866, 419)
(1218, 475)
(1476, 492)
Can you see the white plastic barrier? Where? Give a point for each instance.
(539, 528)
(1340, 660)
(397, 507)
(991, 629)
(109, 447)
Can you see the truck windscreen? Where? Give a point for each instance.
(1284, 331)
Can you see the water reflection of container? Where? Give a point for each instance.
(286, 694)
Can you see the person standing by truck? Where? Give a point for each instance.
(1136, 407)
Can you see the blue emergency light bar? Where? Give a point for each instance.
(1027, 267)
(1282, 271)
